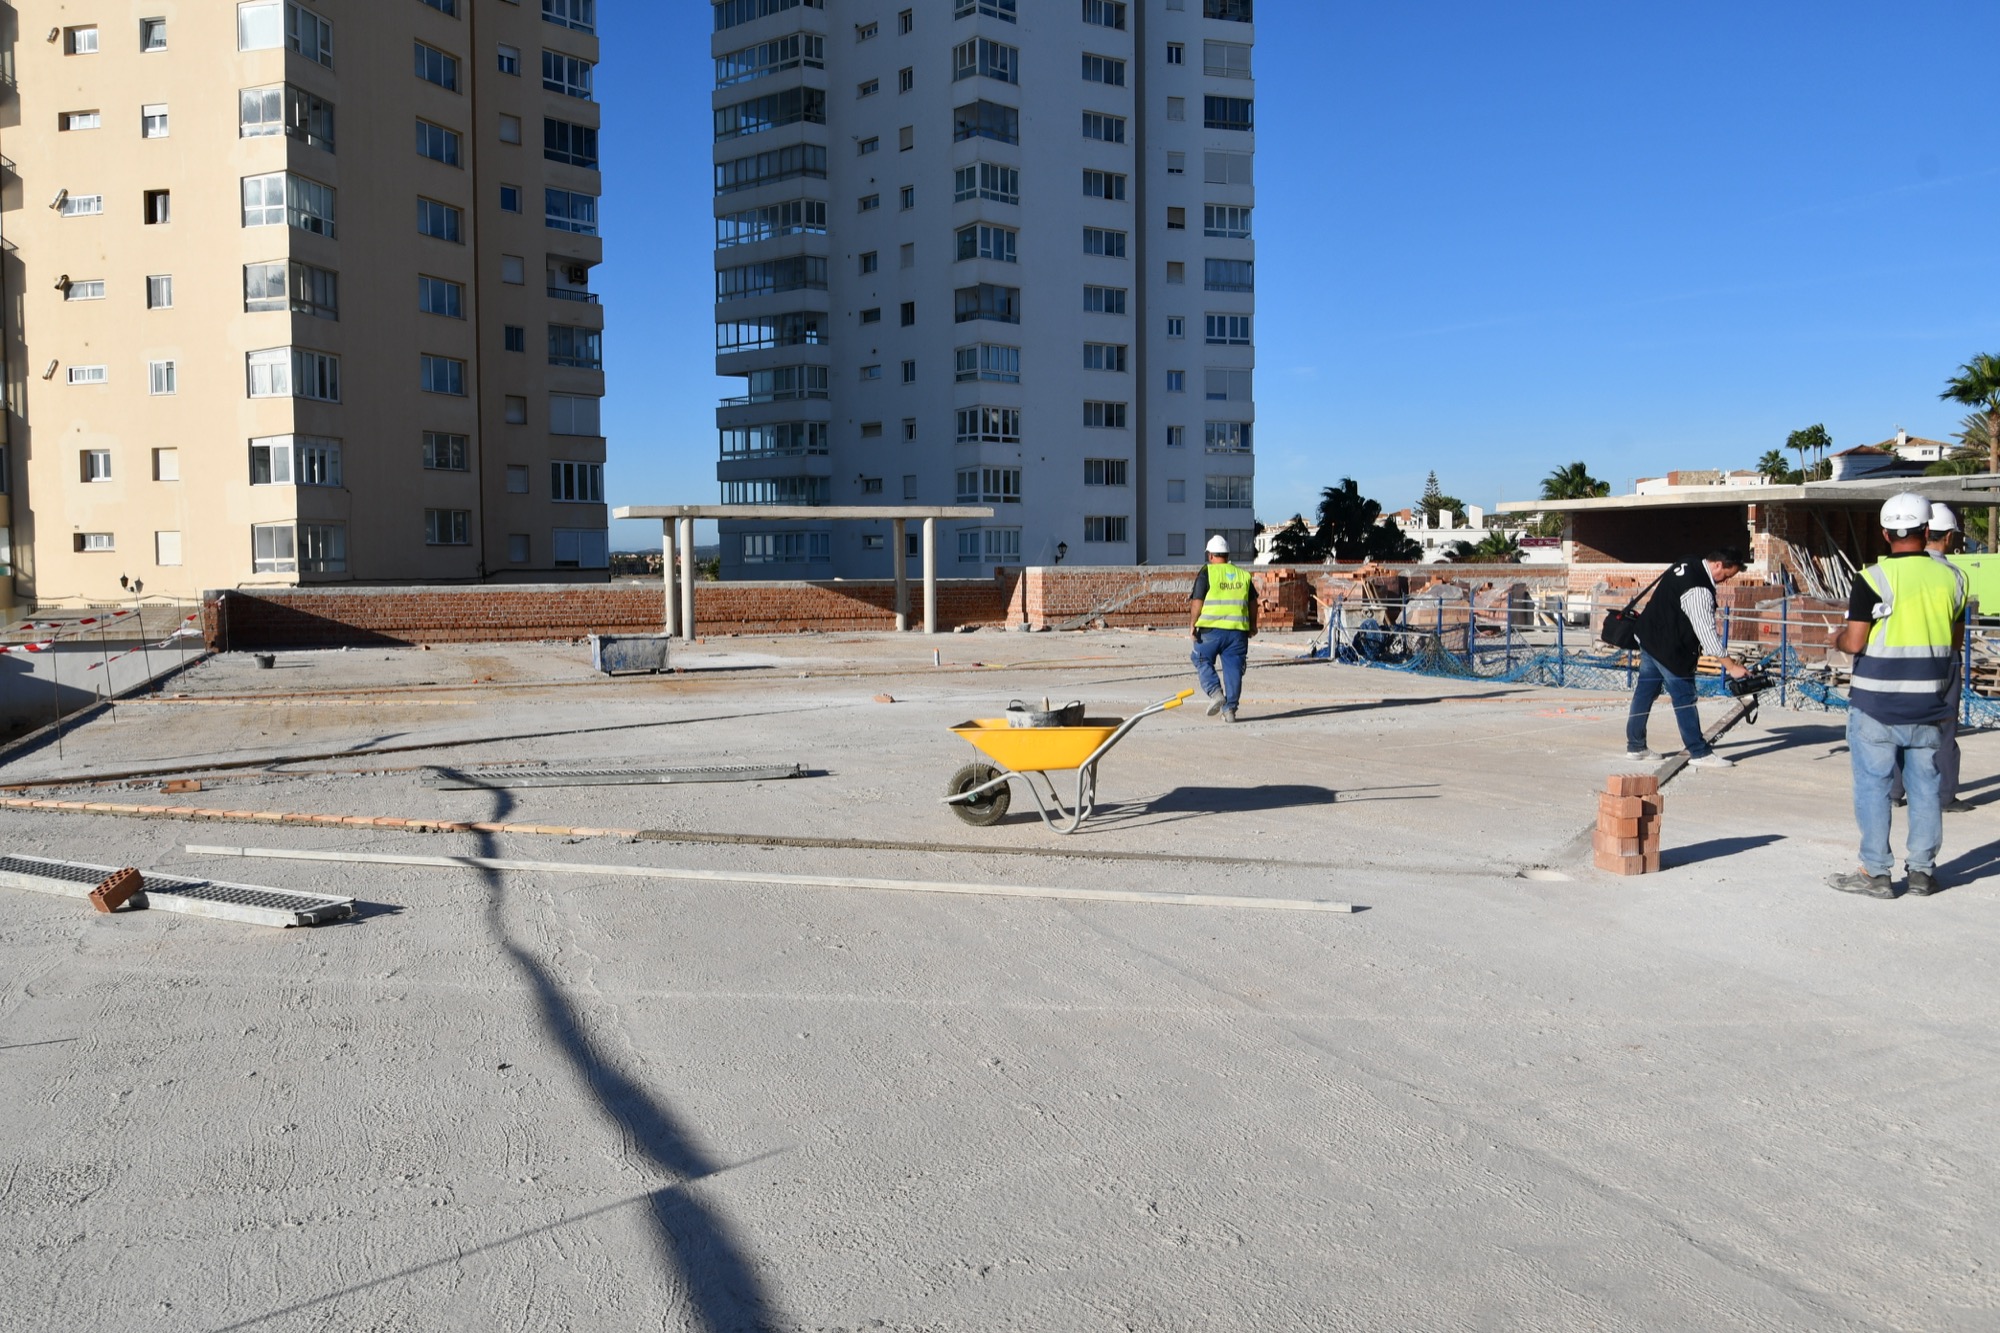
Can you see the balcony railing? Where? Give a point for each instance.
(776, 396)
(573, 294)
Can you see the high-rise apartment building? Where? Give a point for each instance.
(985, 251)
(299, 292)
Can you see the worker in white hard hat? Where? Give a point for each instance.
(1942, 540)
(1224, 605)
(1905, 623)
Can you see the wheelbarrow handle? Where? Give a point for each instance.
(1177, 700)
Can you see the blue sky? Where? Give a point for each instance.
(1489, 242)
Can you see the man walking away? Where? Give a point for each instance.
(1942, 542)
(1904, 624)
(1225, 616)
(1675, 629)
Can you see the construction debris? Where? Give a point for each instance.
(1627, 839)
(255, 904)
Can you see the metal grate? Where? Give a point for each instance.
(453, 779)
(254, 903)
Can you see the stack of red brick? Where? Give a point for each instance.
(1627, 841)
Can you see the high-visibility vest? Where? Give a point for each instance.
(1227, 605)
(1900, 678)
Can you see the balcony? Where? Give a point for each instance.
(573, 294)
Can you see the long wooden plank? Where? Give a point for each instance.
(798, 881)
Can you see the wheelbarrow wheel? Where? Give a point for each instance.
(988, 807)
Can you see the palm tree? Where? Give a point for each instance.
(1774, 467)
(1495, 548)
(1812, 439)
(1977, 384)
(1573, 482)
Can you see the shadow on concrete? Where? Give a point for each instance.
(1672, 858)
(1789, 738)
(1252, 714)
(1968, 866)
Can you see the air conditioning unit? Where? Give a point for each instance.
(578, 273)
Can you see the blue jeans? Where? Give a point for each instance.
(1680, 689)
(1947, 754)
(1872, 751)
(1232, 646)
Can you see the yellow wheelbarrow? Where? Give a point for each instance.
(978, 793)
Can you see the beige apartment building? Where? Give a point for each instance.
(298, 292)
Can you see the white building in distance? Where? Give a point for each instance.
(986, 252)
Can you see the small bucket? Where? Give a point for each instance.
(1020, 715)
(265, 661)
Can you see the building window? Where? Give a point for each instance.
(1220, 168)
(999, 9)
(1226, 113)
(588, 548)
(576, 483)
(868, 88)
(1110, 244)
(869, 145)
(80, 41)
(294, 460)
(870, 261)
(786, 548)
(566, 74)
(772, 57)
(517, 479)
(1228, 330)
(1227, 275)
(1235, 11)
(517, 548)
(1226, 493)
(1225, 385)
(1103, 128)
(989, 485)
(984, 241)
(445, 7)
(988, 361)
(514, 337)
(872, 315)
(1104, 416)
(1225, 60)
(95, 541)
(273, 549)
(88, 375)
(993, 546)
(908, 197)
(799, 273)
(161, 379)
(1176, 543)
(581, 15)
(323, 548)
(166, 465)
(1103, 185)
(96, 464)
(510, 199)
(791, 107)
(871, 372)
(84, 289)
(79, 120)
(1177, 108)
(981, 58)
(785, 439)
(1104, 13)
(908, 313)
(437, 143)
(1176, 491)
(282, 109)
(514, 410)
(578, 414)
(989, 425)
(293, 372)
(869, 203)
(794, 217)
(510, 129)
(987, 301)
(1176, 437)
(906, 79)
(577, 348)
(905, 21)
(1104, 528)
(1177, 381)
(1104, 300)
(1103, 69)
(1225, 220)
(1176, 164)
(298, 287)
(1176, 326)
(434, 66)
(1176, 219)
(570, 210)
(442, 374)
(447, 527)
(909, 437)
(509, 59)
(871, 485)
(907, 254)
(986, 120)
(1227, 437)
(160, 291)
(439, 220)
(153, 121)
(166, 548)
(1176, 53)
(984, 180)
(909, 372)
(445, 453)
(436, 296)
(159, 207)
(1105, 471)
(279, 198)
(1104, 356)
(1176, 272)
(865, 31)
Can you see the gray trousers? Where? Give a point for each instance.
(1947, 753)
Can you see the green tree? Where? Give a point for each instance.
(1435, 502)
(1573, 482)
(1781, 473)
(1348, 530)
(1977, 384)
(1495, 548)
(1295, 544)
(1812, 439)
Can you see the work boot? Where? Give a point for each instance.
(1860, 881)
(1921, 883)
(1229, 715)
(1215, 703)
(1641, 756)
(1712, 760)
(1956, 807)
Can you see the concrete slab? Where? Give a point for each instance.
(1516, 1093)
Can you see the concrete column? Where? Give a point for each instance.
(897, 563)
(672, 625)
(930, 576)
(687, 578)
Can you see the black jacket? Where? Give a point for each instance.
(1664, 629)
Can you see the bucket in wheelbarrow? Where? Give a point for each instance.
(1022, 715)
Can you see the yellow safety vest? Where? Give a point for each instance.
(1227, 605)
(1900, 678)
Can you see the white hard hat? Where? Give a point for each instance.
(1218, 545)
(1905, 513)
(1942, 519)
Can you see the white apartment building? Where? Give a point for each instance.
(992, 252)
